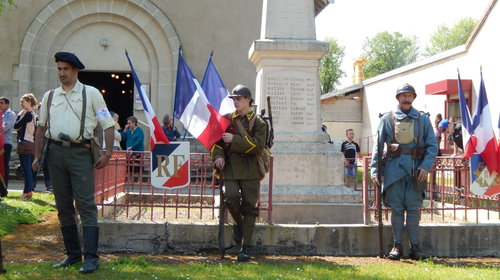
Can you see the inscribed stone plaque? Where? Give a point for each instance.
(293, 99)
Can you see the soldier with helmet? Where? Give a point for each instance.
(411, 151)
(235, 156)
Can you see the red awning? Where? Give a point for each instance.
(447, 87)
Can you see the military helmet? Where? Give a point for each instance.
(241, 90)
(406, 88)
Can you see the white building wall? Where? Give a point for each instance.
(380, 91)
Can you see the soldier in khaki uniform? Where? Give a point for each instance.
(69, 156)
(236, 156)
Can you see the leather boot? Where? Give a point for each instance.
(396, 252)
(72, 245)
(244, 254)
(237, 234)
(90, 242)
(416, 254)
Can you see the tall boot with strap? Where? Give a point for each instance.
(90, 242)
(72, 245)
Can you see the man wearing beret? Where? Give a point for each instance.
(68, 116)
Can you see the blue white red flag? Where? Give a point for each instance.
(467, 131)
(485, 179)
(192, 108)
(215, 90)
(485, 141)
(155, 131)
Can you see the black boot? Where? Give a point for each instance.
(396, 252)
(237, 234)
(244, 254)
(72, 245)
(416, 253)
(90, 242)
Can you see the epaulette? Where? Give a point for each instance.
(425, 113)
(380, 115)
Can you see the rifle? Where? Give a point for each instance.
(43, 154)
(270, 141)
(2, 270)
(222, 220)
(379, 198)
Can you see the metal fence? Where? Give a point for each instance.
(448, 195)
(124, 191)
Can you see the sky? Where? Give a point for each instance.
(352, 21)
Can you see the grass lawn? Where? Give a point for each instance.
(142, 268)
(14, 211)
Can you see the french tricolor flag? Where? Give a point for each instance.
(156, 132)
(215, 90)
(469, 146)
(484, 135)
(192, 108)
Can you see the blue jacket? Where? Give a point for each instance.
(397, 168)
(134, 140)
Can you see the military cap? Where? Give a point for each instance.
(406, 88)
(69, 58)
(241, 90)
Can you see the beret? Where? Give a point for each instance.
(69, 58)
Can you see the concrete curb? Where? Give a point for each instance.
(442, 240)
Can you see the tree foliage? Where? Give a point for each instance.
(3, 3)
(329, 69)
(387, 51)
(446, 38)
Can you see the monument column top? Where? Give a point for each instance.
(288, 19)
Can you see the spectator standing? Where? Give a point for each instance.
(117, 136)
(9, 119)
(134, 142)
(350, 150)
(437, 132)
(454, 134)
(169, 129)
(25, 126)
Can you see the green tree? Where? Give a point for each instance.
(3, 3)
(447, 38)
(385, 52)
(329, 69)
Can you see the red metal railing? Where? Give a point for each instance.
(448, 194)
(124, 191)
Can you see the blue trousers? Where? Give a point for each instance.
(29, 182)
(402, 197)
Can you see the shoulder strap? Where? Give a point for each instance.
(242, 129)
(84, 112)
(393, 118)
(49, 102)
(418, 129)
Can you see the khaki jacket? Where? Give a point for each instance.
(240, 155)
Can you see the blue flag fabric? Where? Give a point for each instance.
(215, 90)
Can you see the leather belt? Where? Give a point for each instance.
(69, 144)
(407, 150)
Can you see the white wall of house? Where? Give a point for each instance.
(380, 91)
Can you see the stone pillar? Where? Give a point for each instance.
(308, 184)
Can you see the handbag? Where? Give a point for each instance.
(26, 148)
